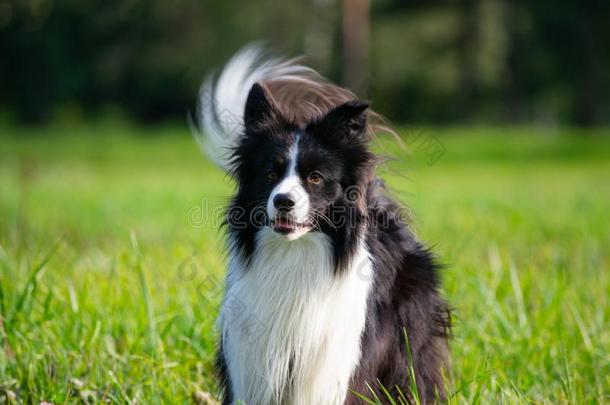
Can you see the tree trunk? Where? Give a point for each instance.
(588, 110)
(512, 93)
(355, 35)
(466, 45)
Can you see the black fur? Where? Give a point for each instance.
(404, 299)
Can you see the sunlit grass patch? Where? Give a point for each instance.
(111, 263)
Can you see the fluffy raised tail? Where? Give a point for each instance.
(222, 98)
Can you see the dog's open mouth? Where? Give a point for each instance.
(286, 225)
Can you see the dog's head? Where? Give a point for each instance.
(297, 179)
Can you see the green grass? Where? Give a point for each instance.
(110, 276)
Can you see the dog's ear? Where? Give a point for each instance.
(260, 107)
(346, 120)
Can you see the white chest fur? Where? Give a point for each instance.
(291, 328)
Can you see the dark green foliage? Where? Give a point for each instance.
(439, 61)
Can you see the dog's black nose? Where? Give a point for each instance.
(283, 202)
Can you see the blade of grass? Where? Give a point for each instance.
(401, 396)
(362, 397)
(518, 292)
(386, 393)
(148, 304)
(477, 377)
(412, 379)
(32, 283)
(476, 399)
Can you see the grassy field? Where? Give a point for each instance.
(111, 264)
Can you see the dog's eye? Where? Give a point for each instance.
(315, 178)
(271, 176)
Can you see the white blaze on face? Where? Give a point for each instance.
(292, 186)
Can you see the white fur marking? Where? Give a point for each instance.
(291, 185)
(291, 328)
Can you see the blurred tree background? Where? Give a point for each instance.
(435, 61)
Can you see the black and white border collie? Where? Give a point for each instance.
(325, 280)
